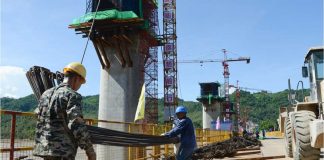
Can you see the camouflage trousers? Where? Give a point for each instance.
(57, 158)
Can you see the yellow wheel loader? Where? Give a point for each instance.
(304, 123)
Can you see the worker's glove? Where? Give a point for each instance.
(91, 154)
(176, 139)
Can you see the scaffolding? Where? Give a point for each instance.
(151, 84)
(170, 58)
(151, 66)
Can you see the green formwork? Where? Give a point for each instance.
(107, 14)
(210, 98)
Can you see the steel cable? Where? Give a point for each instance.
(90, 32)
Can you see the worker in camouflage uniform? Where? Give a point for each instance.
(60, 127)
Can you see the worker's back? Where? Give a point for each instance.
(53, 138)
(188, 138)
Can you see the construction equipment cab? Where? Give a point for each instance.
(314, 70)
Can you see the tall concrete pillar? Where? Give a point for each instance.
(211, 104)
(119, 92)
(210, 115)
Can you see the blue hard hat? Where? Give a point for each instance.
(181, 109)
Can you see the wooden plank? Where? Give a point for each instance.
(109, 22)
(128, 57)
(119, 55)
(248, 149)
(127, 39)
(103, 53)
(240, 153)
(259, 158)
(98, 54)
(106, 42)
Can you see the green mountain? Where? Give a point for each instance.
(26, 124)
(264, 107)
(29, 103)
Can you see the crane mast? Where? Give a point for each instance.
(227, 112)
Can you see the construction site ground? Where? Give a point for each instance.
(272, 148)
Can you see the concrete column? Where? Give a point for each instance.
(119, 92)
(210, 114)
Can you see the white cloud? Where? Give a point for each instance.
(13, 82)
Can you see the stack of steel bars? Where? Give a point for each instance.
(41, 79)
(105, 136)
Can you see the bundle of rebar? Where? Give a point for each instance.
(41, 79)
(226, 148)
(105, 136)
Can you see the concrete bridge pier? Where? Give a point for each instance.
(119, 92)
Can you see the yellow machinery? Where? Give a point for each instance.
(304, 132)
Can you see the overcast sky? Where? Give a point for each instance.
(276, 34)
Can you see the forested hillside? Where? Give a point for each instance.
(263, 106)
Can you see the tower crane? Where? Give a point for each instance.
(228, 113)
(237, 117)
(254, 89)
(251, 89)
(225, 63)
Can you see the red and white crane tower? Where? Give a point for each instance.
(237, 117)
(227, 112)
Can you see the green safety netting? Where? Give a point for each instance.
(107, 14)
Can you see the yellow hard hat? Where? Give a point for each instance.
(76, 67)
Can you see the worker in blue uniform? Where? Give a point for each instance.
(185, 129)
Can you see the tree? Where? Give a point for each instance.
(267, 124)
